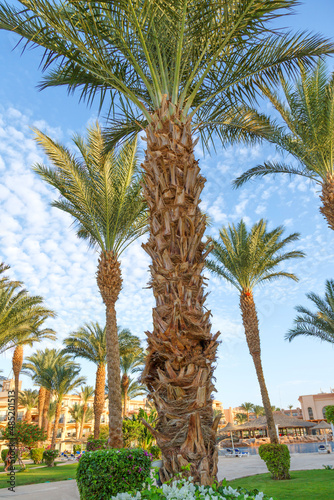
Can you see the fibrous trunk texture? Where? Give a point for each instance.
(99, 398)
(17, 366)
(125, 385)
(84, 411)
(41, 399)
(109, 280)
(27, 416)
(181, 348)
(49, 431)
(251, 325)
(327, 198)
(46, 409)
(55, 425)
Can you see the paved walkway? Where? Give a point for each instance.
(229, 467)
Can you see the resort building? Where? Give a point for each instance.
(314, 405)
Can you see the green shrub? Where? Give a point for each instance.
(132, 431)
(155, 452)
(49, 457)
(4, 454)
(25, 434)
(76, 447)
(277, 459)
(36, 454)
(330, 414)
(104, 473)
(96, 444)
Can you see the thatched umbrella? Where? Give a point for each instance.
(323, 425)
(230, 428)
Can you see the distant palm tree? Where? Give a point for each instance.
(318, 324)
(101, 191)
(50, 416)
(33, 366)
(290, 408)
(86, 393)
(75, 412)
(84, 417)
(134, 390)
(247, 407)
(241, 418)
(247, 259)
(130, 363)
(258, 410)
(307, 134)
(29, 400)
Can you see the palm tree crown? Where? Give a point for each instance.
(318, 324)
(246, 259)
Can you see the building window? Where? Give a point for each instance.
(324, 412)
(310, 413)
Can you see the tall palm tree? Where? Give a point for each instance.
(308, 132)
(89, 342)
(75, 412)
(241, 418)
(258, 410)
(51, 412)
(318, 324)
(130, 363)
(247, 259)
(33, 366)
(29, 400)
(173, 69)
(247, 407)
(60, 379)
(101, 191)
(86, 392)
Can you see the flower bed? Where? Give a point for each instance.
(185, 490)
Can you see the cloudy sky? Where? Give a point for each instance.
(37, 241)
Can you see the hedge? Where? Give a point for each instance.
(277, 459)
(104, 473)
(96, 444)
(36, 455)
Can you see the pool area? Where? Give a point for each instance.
(293, 448)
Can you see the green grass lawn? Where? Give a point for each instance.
(47, 474)
(303, 485)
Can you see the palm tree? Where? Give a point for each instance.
(318, 324)
(247, 259)
(60, 379)
(50, 416)
(84, 417)
(247, 407)
(241, 418)
(130, 363)
(75, 412)
(101, 191)
(89, 342)
(86, 393)
(290, 408)
(174, 69)
(34, 365)
(307, 134)
(28, 399)
(258, 410)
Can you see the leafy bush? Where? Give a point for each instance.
(185, 489)
(155, 452)
(104, 431)
(4, 454)
(25, 434)
(330, 414)
(96, 444)
(36, 454)
(132, 431)
(103, 473)
(76, 447)
(49, 457)
(277, 459)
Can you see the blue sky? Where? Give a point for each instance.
(38, 243)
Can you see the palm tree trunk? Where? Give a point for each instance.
(125, 384)
(41, 399)
(46, 409)
(76, 429)
(181, 348)
(99, 398)
(84, 411)
(56, 424)
(27, 416)
(251, 325)
(49, 430)
(327, 198)
(109, 281)
(17, 366)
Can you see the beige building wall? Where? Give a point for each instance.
(313, 405)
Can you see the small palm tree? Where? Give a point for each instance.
(290, 408)
(318, 324)
(86, 393)
(247, 407)
(75, 412)
(174, 68)
(29, 400)
(101, 191)
(50, 416)
(247, 259)
(307, 134)
(84, 417)
(130, 363)
(241, 418)
(258, 410)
